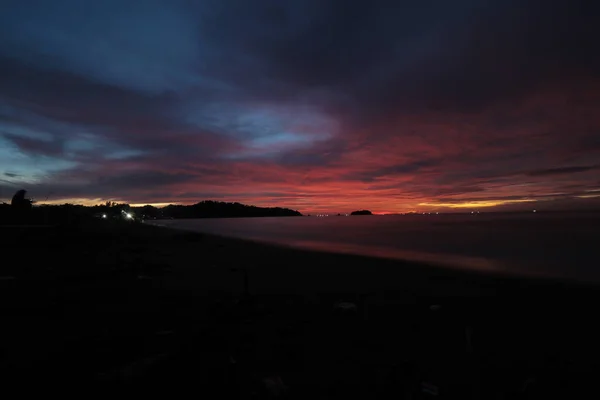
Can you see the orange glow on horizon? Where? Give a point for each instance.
(477, 204)
(75, 201)
(332, 207)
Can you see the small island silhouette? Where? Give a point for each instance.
(361, 212)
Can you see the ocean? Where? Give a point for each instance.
(555, 245)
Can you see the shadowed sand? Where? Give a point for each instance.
(152, 307)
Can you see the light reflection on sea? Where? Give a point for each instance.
(553, 245)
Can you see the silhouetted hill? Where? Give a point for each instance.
(68, 214)
(214, 209)
(361, 212)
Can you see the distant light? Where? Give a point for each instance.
(472, 212)
(128, 216)
(104, 216)
(534, 210)
(436, 213)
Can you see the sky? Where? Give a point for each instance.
(315, 105)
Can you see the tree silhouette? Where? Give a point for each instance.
(19, 202)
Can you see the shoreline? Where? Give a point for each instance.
(96, 301)
(439, 262)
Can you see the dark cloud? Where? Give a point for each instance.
(36, 146)
(562, 171)
(142, 179)
(458, 190)
(462, 55)
(316, 103)
(398, 169)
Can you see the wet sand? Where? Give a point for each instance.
(106, 303)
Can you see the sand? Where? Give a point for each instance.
(103, 303)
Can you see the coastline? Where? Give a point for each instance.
(441, 262)
(101, 296)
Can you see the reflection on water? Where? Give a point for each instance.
(562, 245)
(449, 260)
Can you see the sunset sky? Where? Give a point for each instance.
(315, 105)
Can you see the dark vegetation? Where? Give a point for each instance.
(216, 209)
(22, 211)
(64, 214)
(361, 212)
(19, 202)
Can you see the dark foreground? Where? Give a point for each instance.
(106, 304)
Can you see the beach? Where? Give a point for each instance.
(151, 307)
